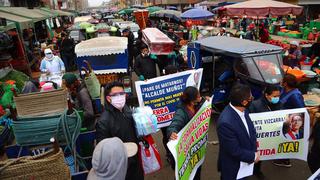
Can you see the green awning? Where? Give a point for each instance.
(57, 12)
(22, 22)
(49, 14)
(10, 25)
(25, 12)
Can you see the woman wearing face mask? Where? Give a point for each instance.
(190, 102)
(117, 121)
(51, 64)
(269, 102)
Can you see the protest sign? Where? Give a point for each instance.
(190, 148)
(315, 176)
(282, 134)
(162, 94)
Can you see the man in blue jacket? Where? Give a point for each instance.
(236, 133)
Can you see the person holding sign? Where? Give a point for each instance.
(291, 98)
(237, 136)
(191, 101)
(269, 102)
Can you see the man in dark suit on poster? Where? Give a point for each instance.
(236, 133)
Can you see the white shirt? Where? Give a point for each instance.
(241, 114)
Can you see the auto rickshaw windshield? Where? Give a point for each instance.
(266, 68)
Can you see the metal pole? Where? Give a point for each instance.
(213, 70)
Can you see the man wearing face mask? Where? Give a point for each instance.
(145, 66)
(117, 121)
(269, 102)
(51, 64)
(236, 133)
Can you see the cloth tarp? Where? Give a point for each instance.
(263, 8)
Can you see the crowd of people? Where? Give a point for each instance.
(115, 155)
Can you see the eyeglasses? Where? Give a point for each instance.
(117, 94)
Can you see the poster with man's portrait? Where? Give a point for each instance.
(282, 134)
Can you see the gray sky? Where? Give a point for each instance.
(95, 2)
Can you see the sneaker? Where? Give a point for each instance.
(282, 163)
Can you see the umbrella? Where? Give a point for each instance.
(172, 8)
(196, 14)
(153, 9)
(102, 26)
(263, 8)
(168, 14)
(127, 11)
(85, 25)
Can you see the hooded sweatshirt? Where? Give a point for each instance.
(109, 160)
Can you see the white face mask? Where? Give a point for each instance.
(49, 56)
(118, 101)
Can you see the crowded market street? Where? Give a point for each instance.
(157, 90)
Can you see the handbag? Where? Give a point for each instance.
(149, 155)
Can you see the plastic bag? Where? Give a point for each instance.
(145, 121)
(93, 85)
(149, 155)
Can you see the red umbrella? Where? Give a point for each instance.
(263, 8)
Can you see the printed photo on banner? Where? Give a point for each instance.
(190, 148)
(282, 134)
(163, 93)
(293, 126)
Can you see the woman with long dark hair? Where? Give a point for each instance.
(190, 102)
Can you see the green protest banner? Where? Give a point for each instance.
(190, 148)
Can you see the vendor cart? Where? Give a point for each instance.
(227, 59)
(108, 57)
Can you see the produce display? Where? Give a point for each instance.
(285, 44)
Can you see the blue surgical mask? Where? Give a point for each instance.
(275, 100)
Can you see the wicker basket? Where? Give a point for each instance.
(42, 103)
(47, 166)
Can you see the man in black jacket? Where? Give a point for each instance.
(145, 66)
(67, 52)
(117, 121)
(127, 33)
